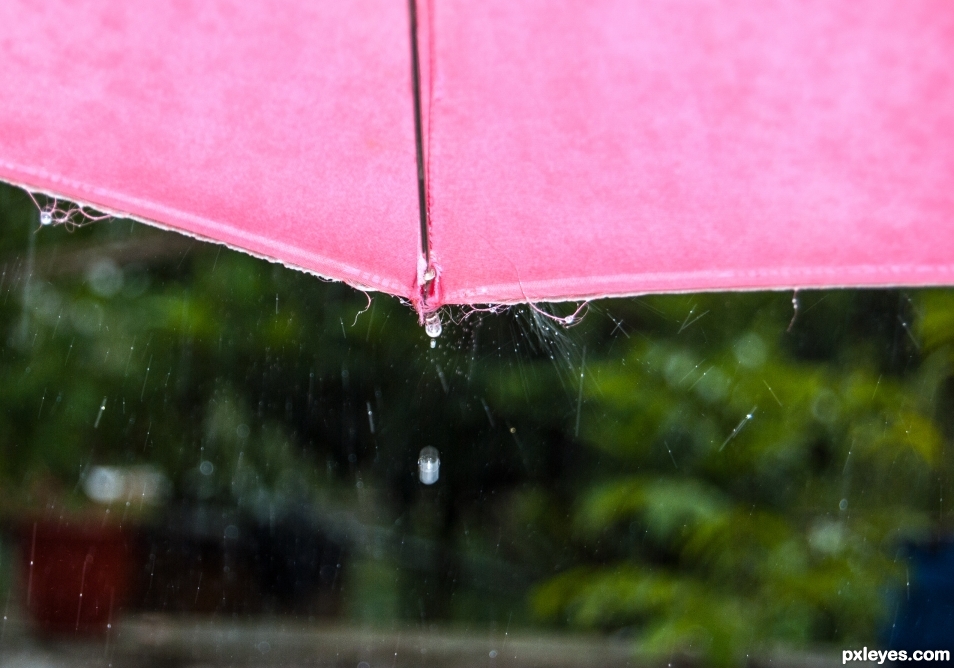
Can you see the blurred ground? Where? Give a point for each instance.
(167, 642)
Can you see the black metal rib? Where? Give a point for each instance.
(419, 131)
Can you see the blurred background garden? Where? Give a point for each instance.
(704, 478)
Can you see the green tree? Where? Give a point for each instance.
(751, 477)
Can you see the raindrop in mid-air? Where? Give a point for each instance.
(429, 465)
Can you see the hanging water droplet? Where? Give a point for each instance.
(569, 320)
(46, 218)
(432, 325)
(429, 465)
(433, 343)
(430, 273)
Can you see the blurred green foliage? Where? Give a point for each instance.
(702, 472)
(755, 475)
(298, 395)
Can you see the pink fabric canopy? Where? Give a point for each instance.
(570, 149)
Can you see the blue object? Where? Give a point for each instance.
(924, 618)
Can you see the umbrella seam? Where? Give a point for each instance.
(427, 298)
(418, 130)
(431, 64)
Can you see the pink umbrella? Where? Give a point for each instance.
(567, 150)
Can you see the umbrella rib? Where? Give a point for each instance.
(419, 132)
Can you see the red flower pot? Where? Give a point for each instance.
(75, 577)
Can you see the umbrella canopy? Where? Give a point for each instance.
(568, 150)
(283, 129)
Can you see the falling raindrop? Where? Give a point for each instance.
(735, 432)
(102, 408)
(432, 325)
(370, 417)
(429, 465)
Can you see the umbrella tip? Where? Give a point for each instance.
(428, 299)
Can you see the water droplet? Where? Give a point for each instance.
(432, 325)
(46, 218)
(493, 654)
(206, 468)
(844, 504)
(569, 319)
(430, 273)
(429, 465)
(433, 343)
